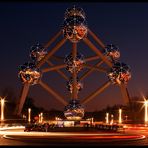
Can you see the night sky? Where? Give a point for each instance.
(24, 24)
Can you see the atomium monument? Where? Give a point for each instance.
(75, 30)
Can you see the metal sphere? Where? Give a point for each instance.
(112, 51)
(74, 64)
(28, 73)
(74, 110)
(74, 11)
(79, 85)
(37, 52)
(120, 73)
(74, 26)
(74, 21)
(75, 33)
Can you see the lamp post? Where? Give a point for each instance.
(120, 116)
(41, 114)
(145, 105)
(2, 108)
(39, 118)
(107, 118)
(126, 118)
(146, 111)
(112, 119)
(29, 115)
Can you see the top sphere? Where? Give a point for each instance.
(74, 11)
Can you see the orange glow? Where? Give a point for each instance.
(145, 105)
(112, 119)
(2, 108)
(120, 115)
(29, 115)
(41, 117)
(107, 118)
(146, 113)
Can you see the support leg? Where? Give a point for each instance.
(24, 93)
(124, 93)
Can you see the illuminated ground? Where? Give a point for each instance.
(16, 136)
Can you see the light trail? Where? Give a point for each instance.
(14, 134)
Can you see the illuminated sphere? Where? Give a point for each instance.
(74, 110)
(28, 73)
(112, 51)
(37, 52)
(74, 26)
(75, 33)
(74, 64)
(79, 85)
(120, 73)
(74, 21)
(74, 11)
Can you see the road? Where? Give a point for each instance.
(131, 136)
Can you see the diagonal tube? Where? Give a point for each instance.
(52, 39)
(90, 71)
(60, 72)
(101, 69)
(93, 47)
(96, 38)
(53, 50)
(56, 67)
(95, 93)
(51, 91)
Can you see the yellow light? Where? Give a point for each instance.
(2, 108)
(120, 115)
(41, 117)
(107, 118)
(29, 115)
(145, 105)
(146, 112)
(126, 117)
(92, 120)
(112, 119)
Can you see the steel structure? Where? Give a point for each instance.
(75, 30)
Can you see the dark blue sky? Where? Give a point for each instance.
(124, 24)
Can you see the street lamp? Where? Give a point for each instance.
(146, 112)
(24, 117)
(120, 116)
(107, 118)
(92, 120)
(126, 118)
(41, 116)
(29, 115)
(112, 119)
(2, 108)
(145, 105)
